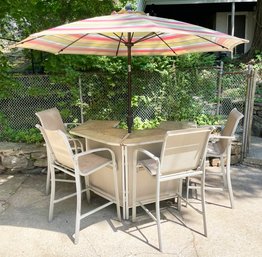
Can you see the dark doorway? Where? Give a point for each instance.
(240, 30)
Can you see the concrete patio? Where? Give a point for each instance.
(25, 230)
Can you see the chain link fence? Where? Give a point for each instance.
(185, 95)
(34, 93)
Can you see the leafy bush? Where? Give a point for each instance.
(32, 135)
(205, 119)
(257, 63)
(163, 88)
(8, 84)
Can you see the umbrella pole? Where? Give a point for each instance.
(129, 110)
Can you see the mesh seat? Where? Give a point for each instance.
(182, 155)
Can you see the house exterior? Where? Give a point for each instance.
(234, 17)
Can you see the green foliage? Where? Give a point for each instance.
(237, 92)
(146, 124)
(120, 4)
(237, 64)
(36, 15)
(205, 119)
(32, 135)
(258, 94)
(171, 82)
(195, 60)
(182, 82)
(139, 124)
(29, 136)
(171, 94)
(19, 19)
(258, 63)
(7, 83)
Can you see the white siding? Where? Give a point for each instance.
(221, 24)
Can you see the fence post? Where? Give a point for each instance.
(81, 99)
(250, 98)
(219, 86)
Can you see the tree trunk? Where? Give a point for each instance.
(257, 39)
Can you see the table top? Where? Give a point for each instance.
(107, 132)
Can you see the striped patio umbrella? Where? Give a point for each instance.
(129, 34)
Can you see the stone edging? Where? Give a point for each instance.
(22, 158)
(31, 158)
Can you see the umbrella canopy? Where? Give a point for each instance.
(129, 34)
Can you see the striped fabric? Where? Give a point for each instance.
(108, 35)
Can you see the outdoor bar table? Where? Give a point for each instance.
(100, 133)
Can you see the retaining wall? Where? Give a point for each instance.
(31, 159)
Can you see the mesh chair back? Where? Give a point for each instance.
(230, 128)
(51, 119)
(184, 150)
(60, 147)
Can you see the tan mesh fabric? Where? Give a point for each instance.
(51, 119)
(214, 149)
(60, 147)
(150, 165)
(91, 162)
(229, 130)
(182, 156)
(183, 149)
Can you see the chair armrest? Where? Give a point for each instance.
(71, 123)
(75, 142)
(152, 170)
(212, 136)
(77, 156)
(149, 154)
(211, 127)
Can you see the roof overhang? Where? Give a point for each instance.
(143, 3)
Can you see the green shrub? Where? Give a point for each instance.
(8, 134)
(205, 119)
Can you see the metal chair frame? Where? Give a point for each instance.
(220, 147)
(61, 164)
(171, 150)
(51, 119)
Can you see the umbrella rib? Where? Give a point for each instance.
(212, 42)
(112, 38)
(146, 37)
(132, 36)
(119, 41)
(30, 39)
(165, 43)
(61, 50)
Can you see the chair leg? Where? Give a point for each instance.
(158, 214)
(88, 195)
(134, 192)
(187, 189)
(229, 185)
(47, 187)
(203, 203)
(78, 208)
(48, 175)
(116, 191)
(179, 201)
(222, 166)
(52, 195)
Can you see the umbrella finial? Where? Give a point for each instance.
(127, 10)
(128, 7)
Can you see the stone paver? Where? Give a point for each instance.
(25, 230)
